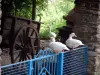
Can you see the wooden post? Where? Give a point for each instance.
(33, 9)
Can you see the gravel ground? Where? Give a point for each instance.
(5, 57)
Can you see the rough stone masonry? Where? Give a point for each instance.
(86, 19)
(0, 35)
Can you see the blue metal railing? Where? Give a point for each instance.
(75, 62)
(47, 63)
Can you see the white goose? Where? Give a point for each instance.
(73, 43)
(52, 34)
(57, 46)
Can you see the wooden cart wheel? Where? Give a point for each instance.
(25, 45)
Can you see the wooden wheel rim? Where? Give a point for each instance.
(24, 54)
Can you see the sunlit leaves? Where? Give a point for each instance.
(23, 8)
(49, 11)
(53, 15)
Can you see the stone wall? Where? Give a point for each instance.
(0, 35)
(86, 19)
(0, 15)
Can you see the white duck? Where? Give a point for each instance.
(52, 34)
(57, 46)
(73, 43)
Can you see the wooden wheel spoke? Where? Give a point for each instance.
(17, 56)
(24, 33)
(36, 42)
(27, 31)
(21, 41)
(35, 46)
(32, 42)
(32, 54)
(24, 37)
(32, 32)
(32, 35)
(22, 57)
(26, 44)
(18, 46)
(27, 56)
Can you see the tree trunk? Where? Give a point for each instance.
(34, 10)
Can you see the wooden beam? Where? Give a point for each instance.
(33, 9)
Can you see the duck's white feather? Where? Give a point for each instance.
(73, 43)
(51, 34)
(57, 46)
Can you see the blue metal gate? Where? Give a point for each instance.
(47, 63)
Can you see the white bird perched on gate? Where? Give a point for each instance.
(57, 46)
(73, 43)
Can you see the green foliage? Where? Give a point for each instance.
(20, 4)
(23, 8)
(44, 31)
(41, 4)
(50, 12)
(54, 15)
(26, 13)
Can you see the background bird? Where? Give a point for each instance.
(55, 46)
(51, 34)
(73, 43)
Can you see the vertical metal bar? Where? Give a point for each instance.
(55, 65)
(86, 58)
(34, 67)
(46, 63)
(52, 69)
(49, 64)
(41, 64)
(31, 67)
(60, 64)
(38, 67)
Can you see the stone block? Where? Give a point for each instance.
(92, 53)
(87, 27)
(97, 73)
(90, 73)
(91, 64)
(0, 39)
(0, 22)
(0, 13)
(0, 5)
(97, 63)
